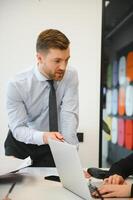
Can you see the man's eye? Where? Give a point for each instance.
(57, 61)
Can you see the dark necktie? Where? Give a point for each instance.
(53, 118)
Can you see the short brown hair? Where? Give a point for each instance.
(51, 38)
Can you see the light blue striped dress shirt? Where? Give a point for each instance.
(28, 110)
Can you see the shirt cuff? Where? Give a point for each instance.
(38, 138)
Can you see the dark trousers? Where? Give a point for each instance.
(41, 155)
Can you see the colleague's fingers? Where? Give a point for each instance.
(117, 180)
(109, 180)
(111, 194)
(125, 183)
(103, 195)
(105, 189)
(6, 198)
(103, 192)
(86, 174)
(106, 181)
(110, 190)
(115, 190)
(121, 180)
(114, 179)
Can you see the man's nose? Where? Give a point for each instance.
(63, 66)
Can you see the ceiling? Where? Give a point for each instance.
(115, 12)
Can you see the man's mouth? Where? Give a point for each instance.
(60, 73)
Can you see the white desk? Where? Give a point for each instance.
(34, 187)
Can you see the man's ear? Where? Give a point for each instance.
(39, 57)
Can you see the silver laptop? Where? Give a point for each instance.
(69, 168)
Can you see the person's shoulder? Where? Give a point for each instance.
(70, 72)
(24, 75)
(71, 76)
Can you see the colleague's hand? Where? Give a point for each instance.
(52, 135)
(6, 198)
(107, 190)
(86, 174)
(114, 179)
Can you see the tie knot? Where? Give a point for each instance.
(51, 82)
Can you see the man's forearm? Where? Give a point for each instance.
(69, 124)
(28, 135)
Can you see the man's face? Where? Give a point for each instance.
(53, 63)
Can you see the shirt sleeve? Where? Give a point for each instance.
(70, 110)
(124, 167)
(18, 117)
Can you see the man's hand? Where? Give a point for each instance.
(52, 135)
(107, 190)
(114, 179)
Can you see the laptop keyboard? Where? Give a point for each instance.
(93, 189)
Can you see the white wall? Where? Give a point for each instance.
(20, 23)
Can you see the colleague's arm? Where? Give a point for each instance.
(18, 118)
(70, 108)
(119, 171)
(124, 167)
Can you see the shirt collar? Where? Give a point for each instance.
(38, 75)
(42, 77)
